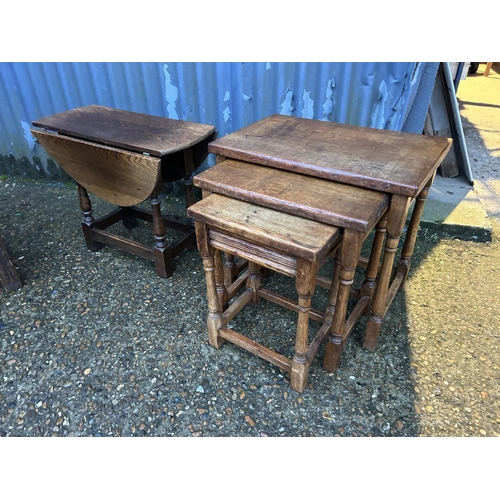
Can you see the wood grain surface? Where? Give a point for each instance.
(388, 161)
(302, 195)
(276, 230)
(116, 176)
(137, 132)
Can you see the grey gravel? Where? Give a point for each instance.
(95, 344)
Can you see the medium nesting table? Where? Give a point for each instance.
(124, 158)
(400, 165)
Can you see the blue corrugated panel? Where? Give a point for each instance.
(386, 95)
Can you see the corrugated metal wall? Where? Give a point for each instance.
(386, 95)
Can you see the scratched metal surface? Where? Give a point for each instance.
(229, 95)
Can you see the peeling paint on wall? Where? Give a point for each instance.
(246, 97)
(226, 113)
(287, 106)
(171, 94)
(377, 118)
(328, 106)
(28, 135)
(268, 66)
(308, 109)
(227, 96)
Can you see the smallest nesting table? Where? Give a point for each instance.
(123, 158)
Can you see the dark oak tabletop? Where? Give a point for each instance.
(388, 161)
(141, 133)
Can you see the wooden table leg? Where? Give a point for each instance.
(349, 256)
(305, 283)
(230, 269)
(411, 234)
(396, 217)
(188, 181)
(219, 280)
(88, 219)
(162, 252)
(214, 320)
(369, 283)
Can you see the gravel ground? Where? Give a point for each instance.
(95, 344)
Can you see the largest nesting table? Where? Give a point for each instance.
(124, 158)
(401, 165)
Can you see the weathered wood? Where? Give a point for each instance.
(324, 201)
(254, 281)
(142, 133)
(255, 348)
(214, 320)
(309, 239)
(258, 226)
(219, 281)
(409, 244)
(237, 306)
(237, 285)
(396, 164)
(395, 223)
(134, 247)
(123, 158)
(88, 221)
(305, 283)
(348, 258)
(373, 267)
(8, 275)
(397, 281)
(288, 303)
(291, 245)
(116, 176)
(382, 160)
(276, 261)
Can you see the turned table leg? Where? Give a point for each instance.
(349, 256)
(254, 281)
(369, 283)
(219, 280)
(230, 269)
(411, 234)
(188, 182)
(396, 217)
(214, 319)
(162, 251)
(88, 219)
(305, 283)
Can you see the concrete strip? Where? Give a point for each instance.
(454, 207)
